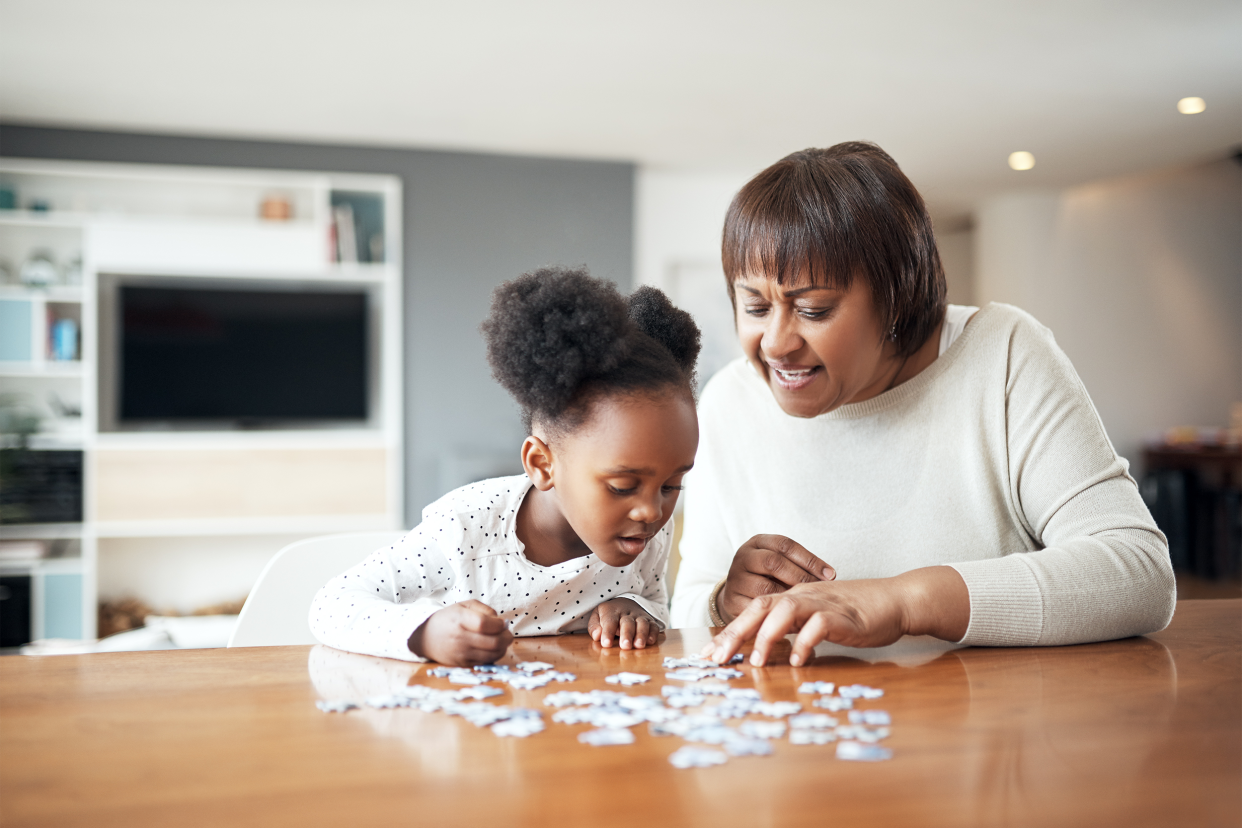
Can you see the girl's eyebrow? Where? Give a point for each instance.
(647, 472)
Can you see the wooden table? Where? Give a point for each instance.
(1145, 731)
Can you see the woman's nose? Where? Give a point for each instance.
(779, 336)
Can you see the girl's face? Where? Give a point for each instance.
(616, 478)
(816, 348)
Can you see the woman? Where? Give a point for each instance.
(882, 467)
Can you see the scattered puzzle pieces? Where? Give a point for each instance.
(700, 711)
(692, 757)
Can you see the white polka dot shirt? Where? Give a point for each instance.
(467, 548)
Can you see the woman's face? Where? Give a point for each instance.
(816, 348)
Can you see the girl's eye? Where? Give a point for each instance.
(618, 491)
(674, 488)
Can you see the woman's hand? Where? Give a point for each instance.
(868, 613)
(463, 635)
(767, 565)
(624, 620)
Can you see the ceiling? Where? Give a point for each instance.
(949, 88)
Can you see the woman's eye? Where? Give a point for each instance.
(814, 313)
(754, 310)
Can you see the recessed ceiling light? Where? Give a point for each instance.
(1191, 106)
(1021, 160)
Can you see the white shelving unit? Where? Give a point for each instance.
(183, 486)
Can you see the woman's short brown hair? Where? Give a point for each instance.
(835, 214)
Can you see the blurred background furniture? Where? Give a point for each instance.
(1193, 486)
(178, 511)
(275, 613)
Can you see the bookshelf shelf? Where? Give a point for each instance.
(109, 222)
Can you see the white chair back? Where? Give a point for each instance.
(276, 611)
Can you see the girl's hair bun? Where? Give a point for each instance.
(557, 337)
(667, 324)
(550, 330)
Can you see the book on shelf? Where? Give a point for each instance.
(346, 238)
(358, 224)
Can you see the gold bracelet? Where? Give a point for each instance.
(712, 610)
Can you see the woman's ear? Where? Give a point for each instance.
(537, 460)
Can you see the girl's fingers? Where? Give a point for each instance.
(642, 631)
(608, 629)
(627, 631)
(486, 644)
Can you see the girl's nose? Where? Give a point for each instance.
(646, 510)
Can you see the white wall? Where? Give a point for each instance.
(677, 222)
(1140, 279)
(957, 255)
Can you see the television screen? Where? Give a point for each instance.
(245, 356)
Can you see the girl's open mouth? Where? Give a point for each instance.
(634, 545)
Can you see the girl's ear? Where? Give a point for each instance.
(537, 460)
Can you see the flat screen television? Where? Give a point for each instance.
(240, 356)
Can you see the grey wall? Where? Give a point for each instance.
(471, 222)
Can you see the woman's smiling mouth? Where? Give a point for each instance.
(793, 378)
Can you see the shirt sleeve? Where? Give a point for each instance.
(1098, 568)
(653, 571)
(706, 551)
(377, 605)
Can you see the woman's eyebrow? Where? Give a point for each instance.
(793, 293)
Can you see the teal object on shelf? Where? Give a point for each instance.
(62, 606)
(15, 331)
(65, 340)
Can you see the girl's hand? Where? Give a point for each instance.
(625, 620)
(768, 565)
(868, 613)
(462, 635)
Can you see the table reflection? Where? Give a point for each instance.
(340, 675)
(1035, 725)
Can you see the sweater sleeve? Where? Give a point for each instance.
(1098, 568)
(652, 571)
(377, 605)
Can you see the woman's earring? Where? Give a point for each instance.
(892, 332)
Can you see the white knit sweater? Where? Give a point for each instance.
(993, 460)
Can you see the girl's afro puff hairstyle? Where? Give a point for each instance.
(558, 339)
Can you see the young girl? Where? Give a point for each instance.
(580, 540)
